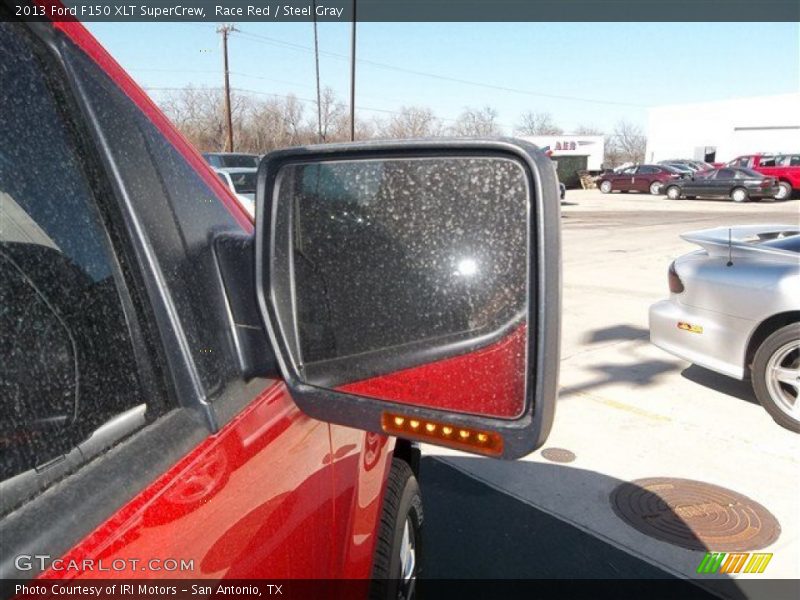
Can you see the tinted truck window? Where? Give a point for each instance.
(66, 357)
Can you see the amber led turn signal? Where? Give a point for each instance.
(455, 436)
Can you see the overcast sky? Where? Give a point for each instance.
(581, 73)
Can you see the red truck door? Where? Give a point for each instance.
(121, 379)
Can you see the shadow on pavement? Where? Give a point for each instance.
(473, 531)
(616, 333)
(640, 374)
(742, 390)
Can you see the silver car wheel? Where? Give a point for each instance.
(408, 562)
(673, 193)
(605, 187)
(783, 379)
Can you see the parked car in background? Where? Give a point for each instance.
(241, 182)
(733, 308)
(738, 184)
(638, 178)
(231, 160)
(784, 168)
(680, 167)
(697, 165)
(694, 166)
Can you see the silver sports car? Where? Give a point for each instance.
(734, 308)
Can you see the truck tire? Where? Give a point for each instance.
(776, 376)
(398, 549)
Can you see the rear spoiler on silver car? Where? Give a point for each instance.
(742, 240)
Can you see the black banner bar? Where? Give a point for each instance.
(410, 10)
(343, 589)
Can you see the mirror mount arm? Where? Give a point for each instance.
(235, 258)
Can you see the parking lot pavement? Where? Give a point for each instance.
(629, 410)
(516, 540)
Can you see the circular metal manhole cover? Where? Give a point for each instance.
(558, 455)
(695, 515)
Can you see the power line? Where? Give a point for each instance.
(214, 72)
(283, 96)
(273, 41)
(245, 75)
(153, 70)
(260, 93)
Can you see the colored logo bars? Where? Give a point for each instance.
(735, 562)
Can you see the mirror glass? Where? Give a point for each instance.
(406, 279)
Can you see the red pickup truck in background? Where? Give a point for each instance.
(785, 168)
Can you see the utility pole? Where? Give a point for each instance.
(316, 65)
(225, 30)
(353, 77)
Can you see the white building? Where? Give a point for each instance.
(721, 131)
(587, 150)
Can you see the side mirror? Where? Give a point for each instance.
(413, 288)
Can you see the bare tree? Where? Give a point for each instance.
(626, 144)
(478, 122)
(335, 123)
(198, 113)
(588, 130)
(533, 123)
(265, 127)
(261, 125)
(411, 122)
(294, 125)
(365, 129)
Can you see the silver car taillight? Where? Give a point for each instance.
(675, 283)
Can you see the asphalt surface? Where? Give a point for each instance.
(462, 514)
(627, 410)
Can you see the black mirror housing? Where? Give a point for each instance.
(413, 288)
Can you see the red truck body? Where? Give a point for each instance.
(784, 168)
(144, 435)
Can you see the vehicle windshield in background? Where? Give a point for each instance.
(749, 173)
(244, 183)
(238, 161)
